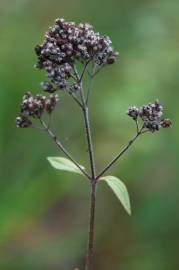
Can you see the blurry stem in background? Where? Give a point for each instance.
(62, 148)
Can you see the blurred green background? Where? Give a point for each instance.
(44, 212)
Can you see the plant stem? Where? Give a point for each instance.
(89, 255)
(62, 148)
(86, 121)
(75, 98)
(120, 153)
(91, 76)
(93, 184)
(89, 142)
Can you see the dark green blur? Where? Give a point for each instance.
(44, 212)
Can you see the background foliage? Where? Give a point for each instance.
(43, 212)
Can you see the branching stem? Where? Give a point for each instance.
(139, 132)
(74, 97)
(62, 148)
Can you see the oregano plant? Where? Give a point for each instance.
(69, 53)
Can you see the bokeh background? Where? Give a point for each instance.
(44, 212)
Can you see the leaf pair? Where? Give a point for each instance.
(113, 182)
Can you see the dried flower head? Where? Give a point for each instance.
(23, 122)
(34, 107)
(47, 87)
(133, 112)
(31, 106)
(65, 43)
(151, 116)
(51, 103)
(166, 123)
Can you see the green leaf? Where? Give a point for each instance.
(64, 164)
(120, 190)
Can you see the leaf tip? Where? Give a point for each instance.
(120, 191)
(129, 211)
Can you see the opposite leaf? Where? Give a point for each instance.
(120, 190)
(64, 164)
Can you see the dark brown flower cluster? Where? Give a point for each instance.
(151, 116)
(66, 43)
(34, 107)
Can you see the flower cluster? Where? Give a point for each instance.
(23, 122)
(151, 116)
(65, 43)
(34, 107)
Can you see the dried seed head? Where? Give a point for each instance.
(75, 87)
(133, 112)
(51, 103)
(34, 107)
(166, 123)
(23, 122)
(66, 43)
(31, 106)
(47, 87)
(151, 116)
